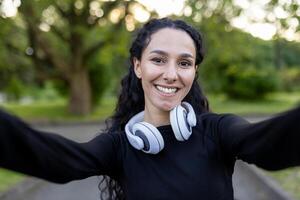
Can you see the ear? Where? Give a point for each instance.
(196, 66)
(137, 67)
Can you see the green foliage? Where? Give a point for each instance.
(231, 55)
(249, 82)
(70, 35)
(290, 53)
(290, 78)
(15, 89)
(235, 63)
(223, 10)
(15, 67)
(48, 92)
(107, 65)
(99, 77)
(60, 86)
(290, 10)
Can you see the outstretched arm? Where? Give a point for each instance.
(272, 144)
(53, 157)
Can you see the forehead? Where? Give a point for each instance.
(171, 41)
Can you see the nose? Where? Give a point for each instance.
(170, 74)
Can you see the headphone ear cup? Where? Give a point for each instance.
(135, 141)
(153, 141)
(179, 123)
(191, 116)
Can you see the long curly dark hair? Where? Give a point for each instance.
(131, 99)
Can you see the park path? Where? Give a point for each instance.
(246, 187)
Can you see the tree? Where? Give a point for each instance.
(212, 18)
(235, 63)
(66, 35)
(285, 16)
(221, 10)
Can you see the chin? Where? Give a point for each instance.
(168, 106)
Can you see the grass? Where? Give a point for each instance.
(273, 103)
(58, 111)
(9, 179)
(289, 179)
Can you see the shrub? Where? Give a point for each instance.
(249, 82)
(14, 89)
(290, 78)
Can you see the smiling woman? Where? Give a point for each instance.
(167, 71)
(162, 142)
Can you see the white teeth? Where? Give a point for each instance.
(166, 90)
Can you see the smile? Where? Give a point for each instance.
(166, 89)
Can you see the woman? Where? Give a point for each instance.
(163, 143)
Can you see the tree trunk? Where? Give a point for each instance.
(80, 92)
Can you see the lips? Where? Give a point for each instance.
(166, 90)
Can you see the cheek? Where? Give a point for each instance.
(188, 82)
(150, 72)
(189, 79)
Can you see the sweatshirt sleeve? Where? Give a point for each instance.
(271, 144)
(53, 157)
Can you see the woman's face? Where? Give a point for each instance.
(166, 69)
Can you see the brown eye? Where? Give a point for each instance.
(158, 60)
(185, 63)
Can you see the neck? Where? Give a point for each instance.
(157, 118)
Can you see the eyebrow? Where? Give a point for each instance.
(184, 55)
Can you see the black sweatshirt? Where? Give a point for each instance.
(200, 168)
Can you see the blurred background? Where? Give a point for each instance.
(62, 60)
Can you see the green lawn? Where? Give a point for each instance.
(289, 180)
(273, 103)
(57, 111)
(8, 179)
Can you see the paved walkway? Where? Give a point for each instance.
(245, 185)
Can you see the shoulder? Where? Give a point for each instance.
(215, 120)
(213, 124)
(108, 149)
(115, 141)
(112, 138)
(209, 120)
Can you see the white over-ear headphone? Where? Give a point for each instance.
(146, 137)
